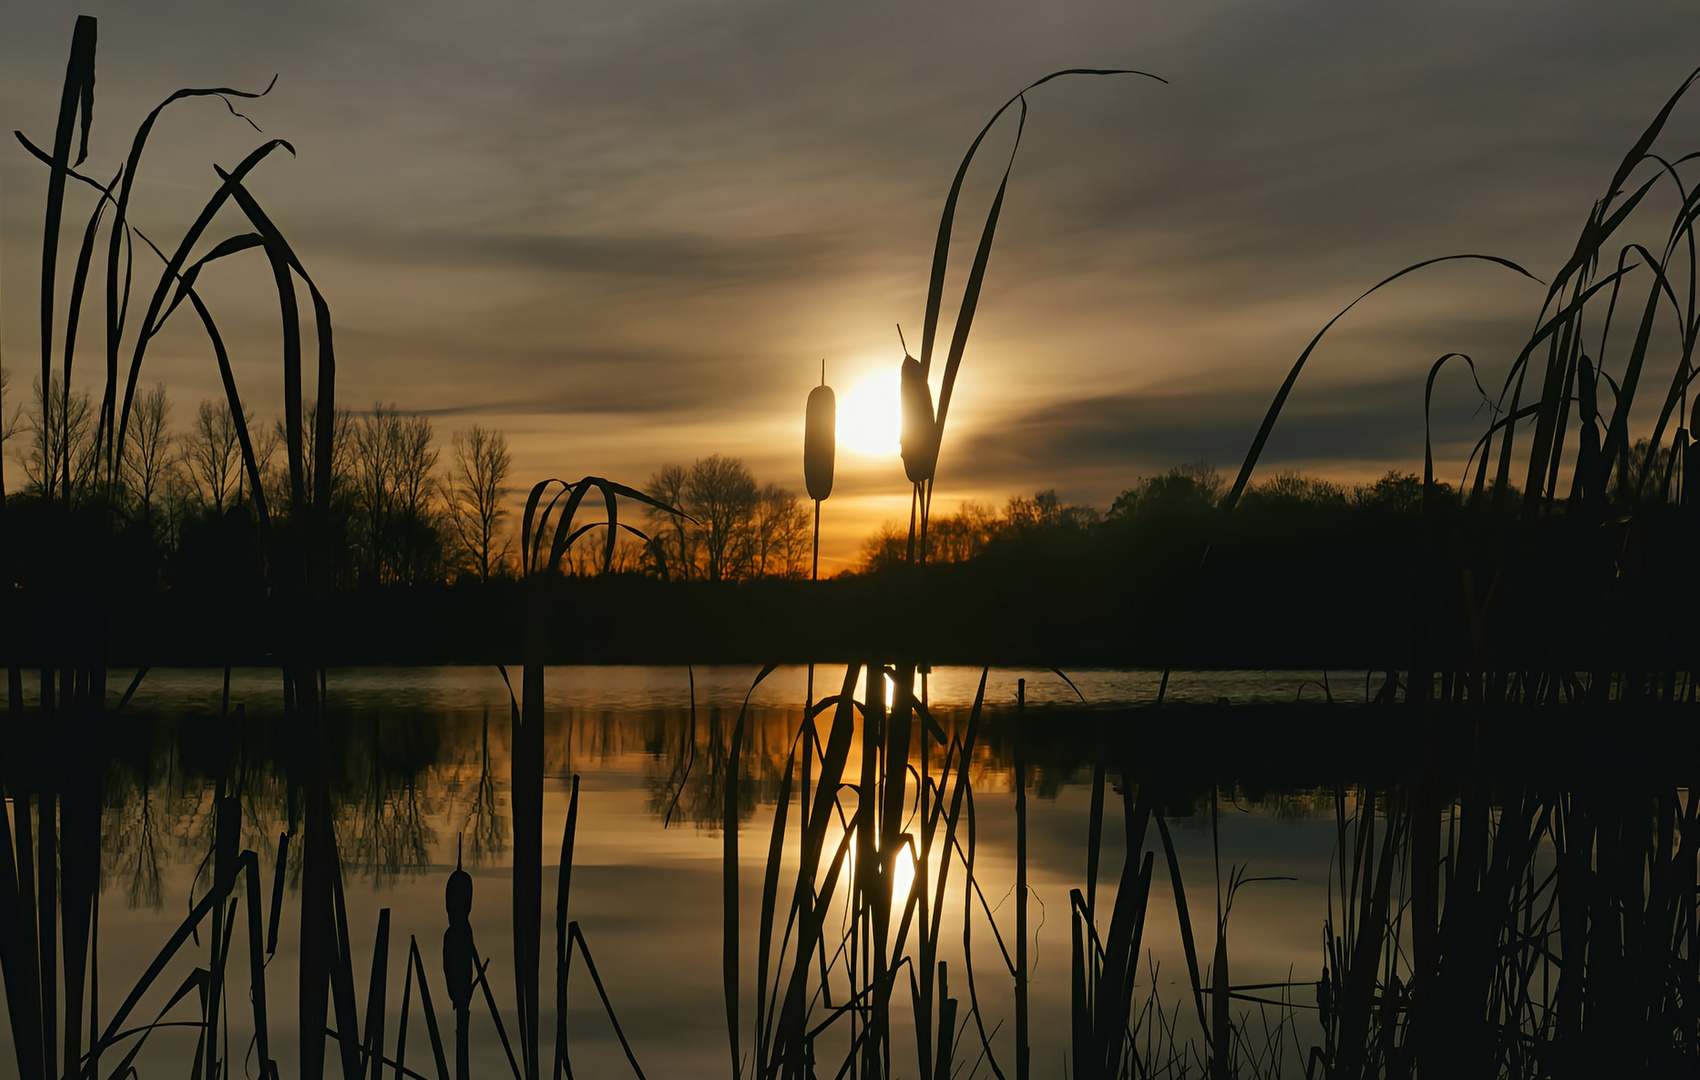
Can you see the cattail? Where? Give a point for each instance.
(920, 443)
(457, 939)
(820, 441)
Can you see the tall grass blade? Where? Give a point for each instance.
(257, 965)
(76, 100)
(769, 899)
(1183, 913)
(563, 893)
(376, 987)
(729, 874)
(602, 992)
(431, 1028)
(17, 957)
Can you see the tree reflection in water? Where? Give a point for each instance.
(383, 826)
(686, 776)
(132, 842)
(484, 828)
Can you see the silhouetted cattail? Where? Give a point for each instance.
(459, 963)
(457, 939)
(820, 441)
(920, 435)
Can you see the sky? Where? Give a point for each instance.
(627, 234)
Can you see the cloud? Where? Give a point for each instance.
(1340, 423)
(664, 215)
(724, 260)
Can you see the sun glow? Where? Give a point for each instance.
(870, 415)
(902, 877)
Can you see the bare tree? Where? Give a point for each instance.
(779, 540)
(721, 495)
(962, 535)
(9, 424)
(418, 532)
(211, 454)
(735, 530)
(674, 543)
(475, 492)
(372, 471)
(887, 547)
(342, 453)
(392, 469)
(61, 445)
(590, 556)
(149, 459)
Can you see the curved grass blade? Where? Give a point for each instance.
(1268, 425)
(176, 263)
(117, 306)
(941, 247)
(563, 892)
(1185, 916)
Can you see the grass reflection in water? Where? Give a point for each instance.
(1133, 837)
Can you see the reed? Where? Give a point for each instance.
(549, 528)
(1554, 950)
(57, 863)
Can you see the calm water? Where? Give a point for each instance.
(422, 778)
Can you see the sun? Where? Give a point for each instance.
(870, 415)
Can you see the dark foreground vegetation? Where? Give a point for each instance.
(1490, 919)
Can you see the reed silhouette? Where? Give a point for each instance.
(1517, 845)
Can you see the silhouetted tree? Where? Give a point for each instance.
(1184, 489)
(1291, 490)
(211, 456)
(475, 499)
(739, 530)
(674, 546)
(342, 454)
(1045, 511)
(721, 495)
(149, 463)
(395, 497)
(1395, 493)
(780, 537)
(960, 536)
(9, 422)
(60, 449)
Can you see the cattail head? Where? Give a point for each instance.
(457, 940)
(920, 435)
(458, 895)
(820, 442)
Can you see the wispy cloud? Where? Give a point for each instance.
(663, 216)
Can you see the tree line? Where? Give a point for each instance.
(402, 513)
(1180, 498)
(406, 510)
(1183, 493)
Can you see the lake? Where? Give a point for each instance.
(421, 760)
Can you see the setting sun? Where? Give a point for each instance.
(870, 415)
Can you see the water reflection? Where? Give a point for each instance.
(484, 827)
(421, 761)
